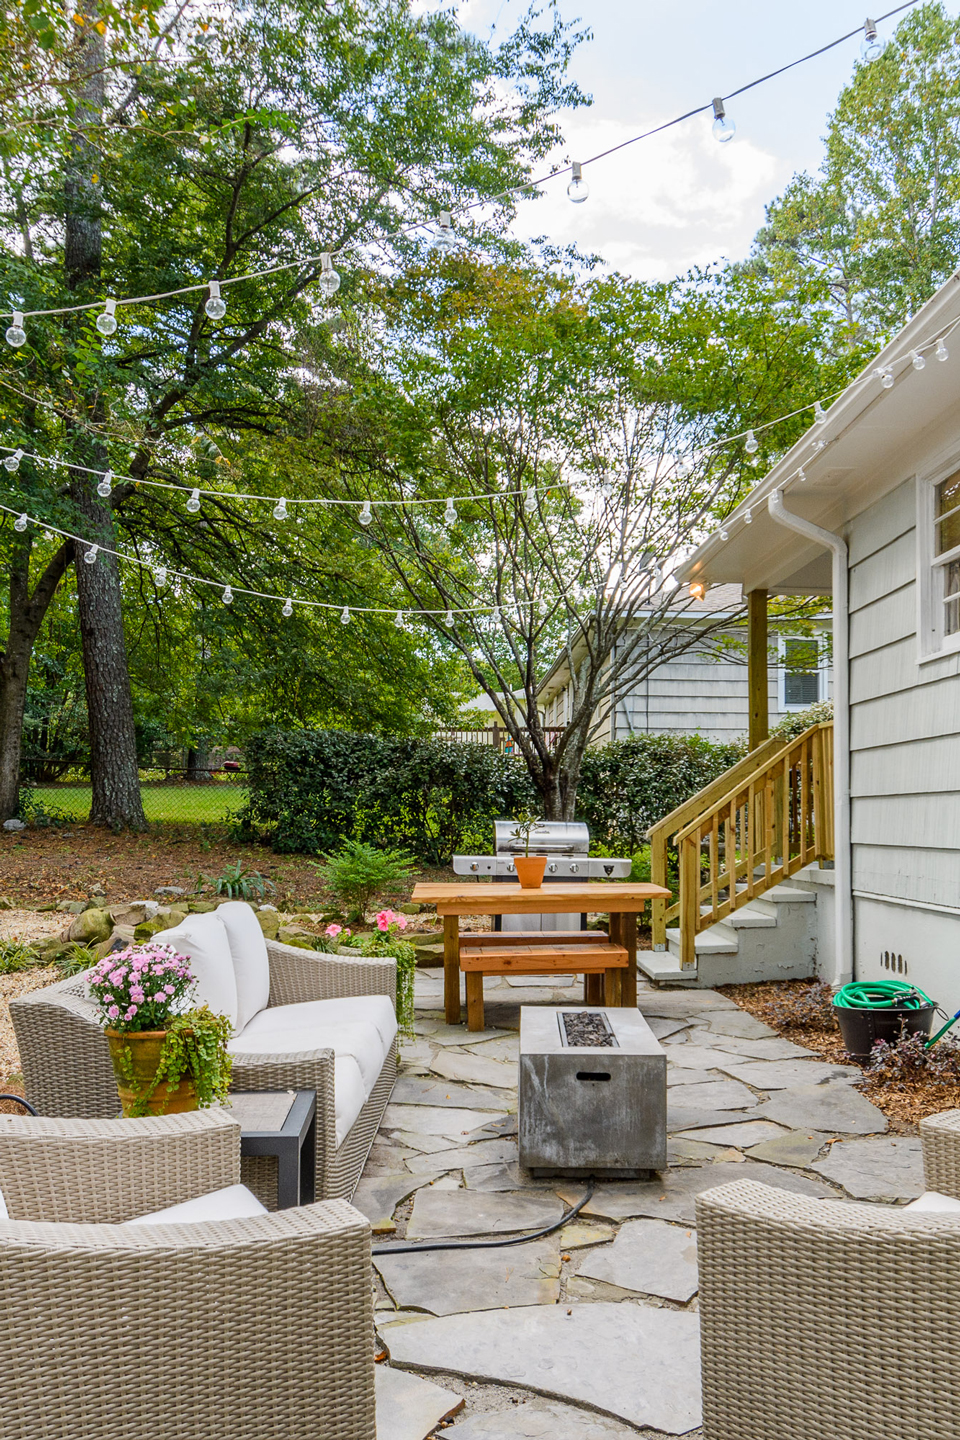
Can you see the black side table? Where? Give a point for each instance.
(281, 1123)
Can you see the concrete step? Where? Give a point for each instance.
(751, 917)
(718, 939)
(787, 895)
(663, 968)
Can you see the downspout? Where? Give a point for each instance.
(843, 885)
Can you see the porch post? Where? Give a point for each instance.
(757, 679)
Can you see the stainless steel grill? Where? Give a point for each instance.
(566, 843)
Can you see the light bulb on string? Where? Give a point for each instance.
(917, 360)
(215, 306)
(366, 514)
(748, 517)
(871, 46)
(448, 618)
(444, 240)
(20, 524)
(90, 557)
(160, 576)
(107, 322)
(287, 610)
(819, 415)
(106, 484)
(329, 281)
(450, 513)
(193, 504)
(530, 501)
(801, 475)
(723, 127)
(227, 596)
(578, 190)
(885, 375)
(12, 462)
(280, 511)
(345, 615)
(751, 444)
(16, 335)
(819, 445)
(398, 620)
(724, 534)
(606, 489)
(942, 352)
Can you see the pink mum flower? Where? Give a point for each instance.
(118, 976)
(113, 1012)
(333, 931)
(131, 1012)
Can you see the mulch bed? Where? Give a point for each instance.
(907, 1104)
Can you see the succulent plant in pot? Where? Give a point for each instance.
(166, 1057)
(530, 868)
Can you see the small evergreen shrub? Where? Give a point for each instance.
(358, 872)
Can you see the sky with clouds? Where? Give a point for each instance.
(682, 199)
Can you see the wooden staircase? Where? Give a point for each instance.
(740, 837)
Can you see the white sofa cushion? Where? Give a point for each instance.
(360, 1041)
(364, 1009)
(931, 1200)
(234, 1202)
(4, 1214)
(348, 1095)
(251, 966)
(203, 940)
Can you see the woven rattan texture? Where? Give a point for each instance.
(64, 1056)
(940, 1135)
(297, 975)
(259, 1329)
(108, 1171)
(824, 1320)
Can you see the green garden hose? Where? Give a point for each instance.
(880, 995)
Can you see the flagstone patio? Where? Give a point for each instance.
(590, 1333)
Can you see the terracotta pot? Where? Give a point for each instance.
(136, 1058)
(530, 870)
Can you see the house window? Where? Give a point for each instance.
(800, 671)
(946, 556)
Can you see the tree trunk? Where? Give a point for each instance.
(113, 750)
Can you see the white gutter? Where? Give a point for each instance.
(843, 963)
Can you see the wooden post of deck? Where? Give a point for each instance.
(757, 678)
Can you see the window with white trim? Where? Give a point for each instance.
(801, 671)
(946, 557)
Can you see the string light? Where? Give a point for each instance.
(751, 445)
(578, 190)
(20, 524)
(917, 360)
(748, 517)
(450, 513)
(398, 621)
(366, 514)
(723, 127)
(801, 475)
(193, 504)
(724, 534)
(530, 501)
(819, 414)
(90, 558)
(287, 610)
(16, 335)
(819, 445)
(448, 618)
(215, 306)
(885, 375)
(345, 615)
(942, 352)
(160, 576)
(444, 239)
(12, 462)
(107, 322)
(329, 281)
(106, 484)
(871, 46)
(280, 509)
(227, 595)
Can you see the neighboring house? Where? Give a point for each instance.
(702, 690)
(885, 494)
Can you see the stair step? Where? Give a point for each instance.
(750, 917)
(718, 939)
(664, 969)
(787, 895)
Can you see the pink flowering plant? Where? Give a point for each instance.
(391, 922)
(142, 988)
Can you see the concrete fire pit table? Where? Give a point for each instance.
(593, 1093)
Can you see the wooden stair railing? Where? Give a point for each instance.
(753, 827)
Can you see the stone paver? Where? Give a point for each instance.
(690, 1152)
(414, 1141)
(637, 1362)
(684, 1004)
(536, 1419)
(536, 982)
(474, 1069)
(835, 1107)
(679, 1075)
(475, 1212)
(733, 1021)
(377, 1198)
(793, 1147)
(433, 1120)
(509, 1176)
(446, 1282)
(672, 1196)
(580, 1233)
(690, 1117)
(784, 1074)
(714, 1095)
(425, 1090)
(507, 1048)
(408, 1408)
(698, 1057)
(662, 1027)
(484, 1152)
(649, 1257)
(885, 1168)
(439, 1033)
(748, 1132)
(766, 1049)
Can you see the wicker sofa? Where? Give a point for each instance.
(826, 1320)
(227, 1329)
(67, 1070)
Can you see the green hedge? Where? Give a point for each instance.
(311, 789)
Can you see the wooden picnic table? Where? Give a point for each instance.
(622, 900)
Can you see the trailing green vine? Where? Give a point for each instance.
(194, 1048)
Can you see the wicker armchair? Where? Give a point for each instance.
(229, 1330)
(825, 1320)
(67, 1071)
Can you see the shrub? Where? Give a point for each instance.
(17, 955)
(806, 1008)
(357, 872)
(797, 721)
(906, 1062)
(237, 883)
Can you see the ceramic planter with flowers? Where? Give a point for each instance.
(166, 1058)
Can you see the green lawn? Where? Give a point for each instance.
(186, 804)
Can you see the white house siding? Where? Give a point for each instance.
(905, 764)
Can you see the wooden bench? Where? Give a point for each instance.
(541, 952)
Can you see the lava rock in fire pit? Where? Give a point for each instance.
(587, 1029)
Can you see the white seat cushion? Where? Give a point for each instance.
(348, 1095)
(359, 1039)
(251, 966)
(367, 1009)
(4, 1215)
(932, 1201)
(235, 1202)
(203, 940)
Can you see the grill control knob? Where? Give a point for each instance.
(608, 869)
(574, 868)
(552, 867)
(474, 865)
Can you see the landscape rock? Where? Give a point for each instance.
(447, 1281)
(408, 1408)
(637, 1362)
(160, 921)
(172, 890)
(648, 1257)
(835, 1107)
(71, 907)
(269, 922)
(885, 1168)
(13, 826)
(91, 927)
(473, 1212)
(296, 935)
(131, 912)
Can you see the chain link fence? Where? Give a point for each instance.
(209, 797)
